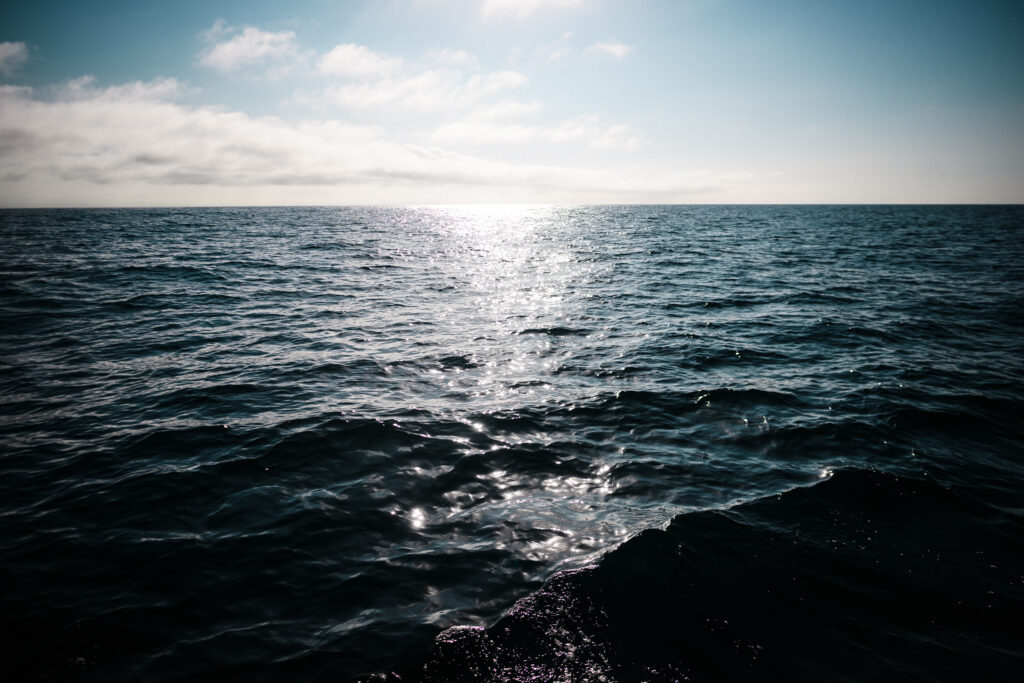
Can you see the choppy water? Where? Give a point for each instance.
(296, 444)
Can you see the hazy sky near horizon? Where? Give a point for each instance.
(227, 102)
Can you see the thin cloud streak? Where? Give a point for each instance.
(586, 130)
(430, 91)
(611, 48)
(556, 49)
(523, 9)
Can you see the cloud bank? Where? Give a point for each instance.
(389, 129)
(132, 144)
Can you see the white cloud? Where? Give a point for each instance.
(249, 48)
(555, 50)
(586, 130)
(131, 135)
(497, 81)
(83, 88)
(12, 56)
(132, 143)
(128, 144)
(563, 48)
(357, 61)
(484, 132)
(459, 59)
(521, 9)
(437, 83)
(504, 110)
(619, 136)
(429, 91)
(8, 92)
(611, 48)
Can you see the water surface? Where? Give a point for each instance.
(297, 443)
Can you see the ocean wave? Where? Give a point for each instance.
(792, 586)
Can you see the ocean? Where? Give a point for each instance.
(595, 443)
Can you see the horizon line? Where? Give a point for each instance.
(483, 204)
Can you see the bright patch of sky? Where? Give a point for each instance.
(449, 101)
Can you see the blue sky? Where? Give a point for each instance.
(596, 101)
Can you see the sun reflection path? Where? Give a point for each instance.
(514, 309)
(516, 315)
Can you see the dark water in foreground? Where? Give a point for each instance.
(296, 444)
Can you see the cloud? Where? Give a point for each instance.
(250, 47)
(484, 132)
(613, 49)
(454, 58)
(131, 134)
(521, 9)
(504, 110)
(555, 50)
(586, 130)
(563, 48)
(83, 88)
(589, 129)
(130, 144)
(427, 91)
(356, 61)
(619, 136)
(367, 80)
(12, 56)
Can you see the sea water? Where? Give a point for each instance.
(704, 442)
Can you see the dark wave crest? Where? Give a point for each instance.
(848, 579)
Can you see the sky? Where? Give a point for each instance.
(325, 102)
